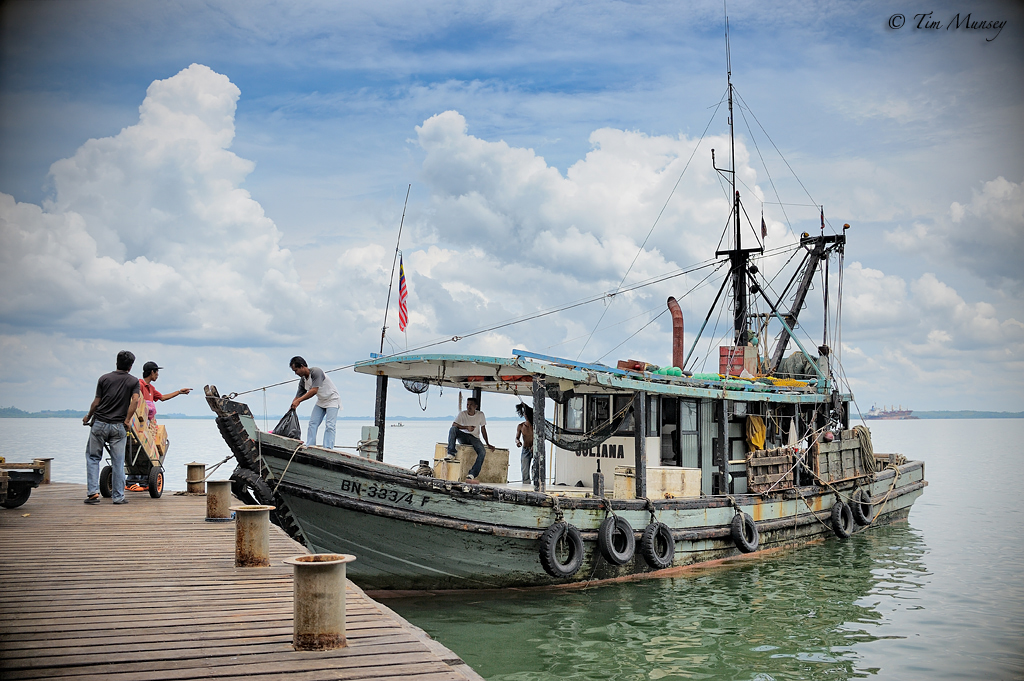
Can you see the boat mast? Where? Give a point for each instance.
(738, 255)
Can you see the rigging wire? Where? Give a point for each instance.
(656, 220)
(769, 137)
(664, 310)
(518, 320)
(764, 165)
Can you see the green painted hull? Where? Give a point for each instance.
(422, 533)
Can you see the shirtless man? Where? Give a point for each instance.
(524, 439)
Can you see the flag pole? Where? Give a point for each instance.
(381, 401)
(394, 261)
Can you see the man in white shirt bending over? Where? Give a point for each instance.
(468, 428)
(314, 383)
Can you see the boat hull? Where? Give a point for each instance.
(413, 532)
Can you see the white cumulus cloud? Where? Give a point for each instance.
(148, 233)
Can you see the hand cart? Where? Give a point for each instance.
(144, 454)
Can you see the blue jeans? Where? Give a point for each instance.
(461, 436)
(315, 417)
(113, 435)
(526, 462)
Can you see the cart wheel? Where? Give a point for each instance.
(156, 482)
(106, 476)
(16, 495)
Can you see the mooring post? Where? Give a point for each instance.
(318, 601)
(640, 442)
(45, 463)
(540, 467)
(252, 535)
(218, 501)
(194, 478)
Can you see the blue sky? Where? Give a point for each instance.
(217, 186)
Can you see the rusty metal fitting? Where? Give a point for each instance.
(218, 501)
(195, 478)
(45, 463)
(318, 597)
(252, 535)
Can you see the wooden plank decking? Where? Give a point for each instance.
(149, 591)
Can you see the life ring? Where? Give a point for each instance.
(616, 541)
(561, 538)
(657, 545)
(842, 520)
(861, 507)
(744, 533)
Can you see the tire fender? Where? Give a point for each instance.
(550, 560)
(842, 520)
(863, 514)
(615, 540)
(658, 546)
(744, 533)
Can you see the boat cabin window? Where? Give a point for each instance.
(622, 402)
(574, 415)
(598, 410)
(680, 442)
(652, 415)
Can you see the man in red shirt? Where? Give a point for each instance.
(151, 372)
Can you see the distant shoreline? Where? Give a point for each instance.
(15, 413)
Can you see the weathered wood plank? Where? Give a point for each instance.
(150, 591)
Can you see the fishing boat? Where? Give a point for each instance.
(640, 470)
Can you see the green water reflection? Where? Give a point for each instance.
(803, 614)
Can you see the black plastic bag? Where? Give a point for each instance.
(288, 426)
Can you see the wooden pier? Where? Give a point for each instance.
(149, 591)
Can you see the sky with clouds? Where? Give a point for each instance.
(218, 186)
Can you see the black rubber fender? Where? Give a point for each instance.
(561, 535)
(744, 533)
(863, 514)
(657, 545)
(842, 520)
(615, 540)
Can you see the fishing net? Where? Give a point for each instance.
(415, 387)
(578, 442)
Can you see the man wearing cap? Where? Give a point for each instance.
(313, 382)
(151, 372)
(117, 397)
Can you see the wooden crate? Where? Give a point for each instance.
(770, 469)
(663, 482)
(732, 360)
(494, 470)
(841, 458)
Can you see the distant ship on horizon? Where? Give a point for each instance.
(890, 414)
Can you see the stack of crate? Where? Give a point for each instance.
(734, 359)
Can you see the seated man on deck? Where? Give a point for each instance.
(467, 428)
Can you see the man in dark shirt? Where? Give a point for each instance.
(117, 397)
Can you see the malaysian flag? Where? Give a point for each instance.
(403, 293)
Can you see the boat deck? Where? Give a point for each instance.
(150, 591)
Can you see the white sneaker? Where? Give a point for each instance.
(470, 477)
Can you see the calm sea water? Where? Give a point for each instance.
(939, 597)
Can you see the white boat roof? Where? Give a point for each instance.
(514, 376)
